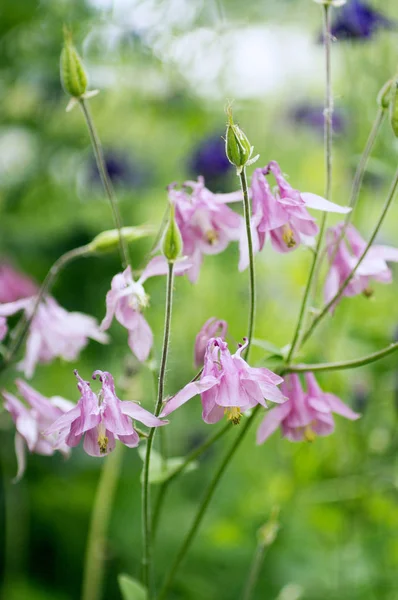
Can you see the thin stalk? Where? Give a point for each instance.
(328, 116)
(255, 569)
(95, 552)
(348, 364)
(252, 278)
(328, 306)
(106, 181)
(48, 282)
(146, 517)
(204, 505)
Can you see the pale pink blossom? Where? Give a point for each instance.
(345, 258)
(212, 328)
(101, 419)
(32, 420)
(3, 328)
(206, 224)
(304, 415)
(14, 285)
(54, 332)
(228, 385)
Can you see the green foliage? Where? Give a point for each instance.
(131, 589)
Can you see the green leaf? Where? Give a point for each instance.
(268, 347)
(160, 470)
(130, 588)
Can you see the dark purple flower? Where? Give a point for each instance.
(311, 116)
(209, 160)
(357, 20)
(121, 169)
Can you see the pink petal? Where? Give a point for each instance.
(319, 203)
(140, 339)
(136, 412)
(189, 391)
(338, 407)
(272, 420)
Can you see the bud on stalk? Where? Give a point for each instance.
(73, 75)
(172, 240)
(237, 146)
(384, 96)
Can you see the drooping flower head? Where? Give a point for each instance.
(228, 385)
(357, 20)
(207, 225)
(101, 419)
(14, 285)
(54, 332)
(349, 251)
(32, 420)
(282, 214)
(304, 415)
(127, 298)
(212, 328)
(3, 328)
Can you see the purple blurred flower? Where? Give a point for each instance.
(374, 266)
(31, 421)
(209, 159)
(101, 419)
(126, 299)
(357, 20)
(121, 170)
(303, 415)
(14, 285)
(312, 116)
(207, 225)
(54, 332)
(228, 385)
(3, 328)
(212, 328)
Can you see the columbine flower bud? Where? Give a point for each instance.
(237, 146)
(384, 96)
(108, 241)
(394, 107)
(172, 240)
(73, 75)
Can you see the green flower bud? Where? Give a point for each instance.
(73, 75)
(108, 241)
(172, 240)
(394, 107)
(383, 97)
(237, 146)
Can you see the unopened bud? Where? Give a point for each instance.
(394, 107)
(73, 75)
(172, 240)
(108, 241)
(237, 146)
(384, 96)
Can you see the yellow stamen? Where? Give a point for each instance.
(288, 237)
(233, 414)
(211, 236)
(309, 434)
(103, 443)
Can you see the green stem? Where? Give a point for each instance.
(348, 364)
(336, 297)
(204, 504)
(255, 569)
(95, 552)
(106, 182)
(146, 518)
(48, 282)
(252, 278)
(328, 114)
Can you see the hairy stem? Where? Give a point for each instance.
(252, 278)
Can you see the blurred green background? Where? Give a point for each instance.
(165, 70)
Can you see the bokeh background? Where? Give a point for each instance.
(165, 70)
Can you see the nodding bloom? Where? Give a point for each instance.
(127, 298)
(228, 385)
(101, 418)
(3, 328)
(212, 328)
(54, 332)
(374, 265)
(14, 285)
(32, 420)
(357, 20)
(206, 224)
(304, 415)
(282, 214)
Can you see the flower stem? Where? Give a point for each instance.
(146, 518)
(95, 553)
(328, 117)
(48, 282)
(252, 278)
(348, 364)
(255, 569)
(336, 297)
(106, 182)
(204, 505)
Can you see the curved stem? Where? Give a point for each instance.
(255, 569)
(95, 552)
(146, 519)
(348, 364)
(48, 282)
(204, 505)
(336, 297)
(247, 215)
(106, 182)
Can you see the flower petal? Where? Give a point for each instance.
(189, 391)
(319, 203)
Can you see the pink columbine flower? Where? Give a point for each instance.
(282, 214)
(304, 415)
(101, 418)
(127, 298)
(228, 385)
(32, 420)
(14, 285)
(3, 328)
(54, 332)
(212, 328)
(207, 225)
(374, 265)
